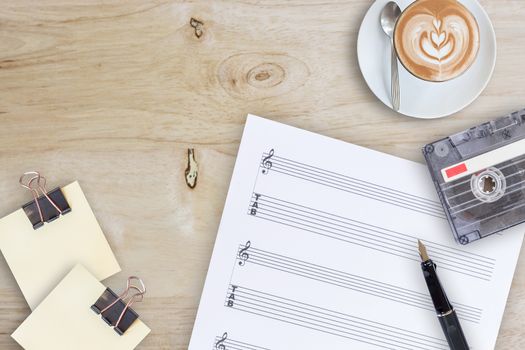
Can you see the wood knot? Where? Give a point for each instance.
(265, 75)
(198, 27)
(262, 76)
(192, 169)
(255, 76)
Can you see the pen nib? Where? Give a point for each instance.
(422, 251)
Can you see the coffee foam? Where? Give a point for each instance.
(436, 40)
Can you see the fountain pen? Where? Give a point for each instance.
(446, 314)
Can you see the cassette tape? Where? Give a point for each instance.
(479, 175)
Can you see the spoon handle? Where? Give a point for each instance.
(394, 82)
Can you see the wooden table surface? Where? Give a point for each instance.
(113, 92)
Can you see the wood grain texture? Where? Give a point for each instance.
(112, 93)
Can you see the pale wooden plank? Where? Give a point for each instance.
(112, 93)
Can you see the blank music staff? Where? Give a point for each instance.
(224, 342)
(328, 321)
(351, 185)
(366, 235)
(247, 253)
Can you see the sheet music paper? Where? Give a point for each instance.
(317, 249)
(40, 258)
(65, 321)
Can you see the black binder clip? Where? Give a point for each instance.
(113, 308)
(46, 208)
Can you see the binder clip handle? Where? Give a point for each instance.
(53, 200)
(140, 291)
(116, 309)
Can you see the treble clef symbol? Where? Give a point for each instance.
(219, 344)
(267, 163)
(243, 255)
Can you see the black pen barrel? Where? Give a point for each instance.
(439, 298)
(444, 310)
(453, 332)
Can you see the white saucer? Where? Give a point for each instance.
(419, 98)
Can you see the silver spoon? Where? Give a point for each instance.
(389, 16)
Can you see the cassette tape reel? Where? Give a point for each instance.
(479, 175)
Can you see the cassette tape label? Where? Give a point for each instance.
(479, 175)
(454, 171)
(483, 161)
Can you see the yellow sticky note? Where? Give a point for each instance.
(40, 258)
(64, 320)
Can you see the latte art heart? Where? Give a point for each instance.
(436, 47)
(437, 44)
(437, 39)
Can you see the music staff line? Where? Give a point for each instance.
(356, 186)
(353, 282)
(225, 343)
(456, 251)
(362, 234)
(394, 236)
(329, 321)
(434, 204)
(351, 180)
(368, 240)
